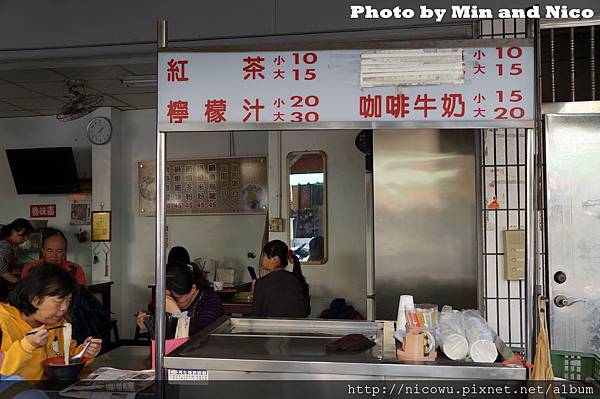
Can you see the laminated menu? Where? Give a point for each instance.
(108, 383)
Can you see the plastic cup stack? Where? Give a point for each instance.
(405, 301)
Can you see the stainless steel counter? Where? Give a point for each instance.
(237, 348)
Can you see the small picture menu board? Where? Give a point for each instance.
(206, 186)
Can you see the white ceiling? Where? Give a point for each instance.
(37, 92)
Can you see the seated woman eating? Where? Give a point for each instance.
(188, 290)
(38, 302)
(280, 293)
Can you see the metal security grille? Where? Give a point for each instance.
(503, 164)
(570, 64)
(503, 189)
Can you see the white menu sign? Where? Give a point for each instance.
(496, 85)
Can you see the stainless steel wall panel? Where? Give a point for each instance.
(425, 218)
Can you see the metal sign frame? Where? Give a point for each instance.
(400, 124)
(163, 129)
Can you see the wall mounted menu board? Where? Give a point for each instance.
(206, 186)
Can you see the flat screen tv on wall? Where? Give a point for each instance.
(44, 170)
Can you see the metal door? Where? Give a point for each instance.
(573, 179)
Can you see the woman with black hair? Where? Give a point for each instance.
(178, 254)
(38, 303)
(11, 236)
(280, 293)
(188, 290)
(297, 271)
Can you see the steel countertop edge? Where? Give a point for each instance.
(387, 366)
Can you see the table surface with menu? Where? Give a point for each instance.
(124, 358)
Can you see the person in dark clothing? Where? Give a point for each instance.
(316, 248)
(11, 236)
(280, 293)
(178, 254)
(188, 290)
(297, 271)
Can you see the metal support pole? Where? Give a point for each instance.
(572, 61)
(371, 304)
(161, 159)
(532, 285)
(593, 60)
(530, 247)
(552, 66)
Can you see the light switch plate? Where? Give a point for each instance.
(514, 254)
(275, 225)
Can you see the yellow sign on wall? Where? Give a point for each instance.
(101, 226)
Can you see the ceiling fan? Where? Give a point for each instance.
(78, 103)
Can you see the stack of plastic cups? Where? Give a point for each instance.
(405, 300)
(482, 348)
(452, 335)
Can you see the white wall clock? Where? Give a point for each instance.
(99, 130)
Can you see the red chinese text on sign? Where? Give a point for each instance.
(397, 106)
(370, 106)
(176, 70)
(453, 105)
(252, 109)
(253, 69)
(478, 55)
(177, 111)
(479, 98)
(422, 103)
(479, 113)
(287, 76)
(215, 111)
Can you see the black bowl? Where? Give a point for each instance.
(57, 370)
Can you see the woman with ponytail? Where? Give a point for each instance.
(297, 270)
(188, 290)
(280, 293)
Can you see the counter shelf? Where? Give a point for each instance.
(241, 348)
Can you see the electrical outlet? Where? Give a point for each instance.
(514, 254)
(275, 225)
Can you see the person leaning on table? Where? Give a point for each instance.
(188, 290)
(38, 302)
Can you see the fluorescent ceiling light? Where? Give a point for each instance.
(411, 67)
(139, 80)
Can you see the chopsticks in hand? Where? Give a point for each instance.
(47, 329)
(149, 326)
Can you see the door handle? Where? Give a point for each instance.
(562, 301)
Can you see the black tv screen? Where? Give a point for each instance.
(44, 170)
